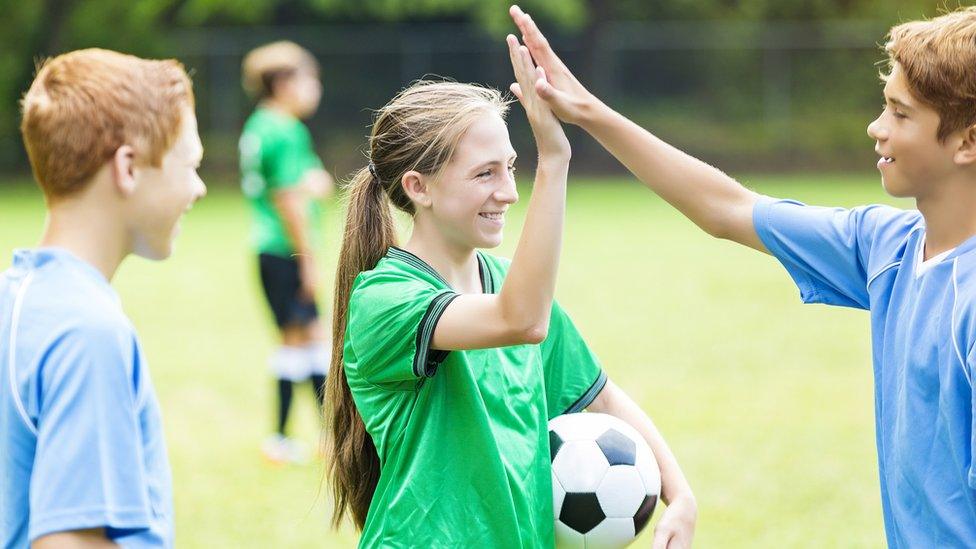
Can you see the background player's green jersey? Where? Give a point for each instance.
(276, 150)
(462, 436)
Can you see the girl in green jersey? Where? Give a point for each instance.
(448, 362)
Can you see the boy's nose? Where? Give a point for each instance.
(876, 131)
(201, 188)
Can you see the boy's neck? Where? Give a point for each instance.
(93, 237)
(457, 264)
(279, 107)
(950, 216)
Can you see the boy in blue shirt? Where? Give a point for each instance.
(113, 143)
(915, 271)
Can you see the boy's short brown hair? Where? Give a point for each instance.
(85, 104)
(938, 57)
(264, 65)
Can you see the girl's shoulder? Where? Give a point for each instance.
(396, 272)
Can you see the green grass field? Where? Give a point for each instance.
(767, 404)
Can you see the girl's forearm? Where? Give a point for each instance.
(614, 401)
(530, 284)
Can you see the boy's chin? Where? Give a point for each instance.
(897, 188)
(157, 252)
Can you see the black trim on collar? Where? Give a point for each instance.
(487, 281)
(414, 261)
(484, 272)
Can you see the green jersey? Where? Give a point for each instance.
(462, 436)
(276, 151)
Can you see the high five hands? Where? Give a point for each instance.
(549, 136)
(556, 91)
(567, 98)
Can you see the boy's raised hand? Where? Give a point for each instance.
(567, 98)
(548, 132)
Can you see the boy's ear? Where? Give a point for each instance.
(415, 186)
(123, 169)
(966, 153)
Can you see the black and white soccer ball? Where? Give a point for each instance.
(605, 481)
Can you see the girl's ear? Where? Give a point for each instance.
(415, 186)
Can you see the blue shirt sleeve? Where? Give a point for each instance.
(89, 470)
(971, 372)
(833, 253)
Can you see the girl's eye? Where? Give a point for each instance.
(485, 173)
(512, 168)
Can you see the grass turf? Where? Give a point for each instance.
(767, 404)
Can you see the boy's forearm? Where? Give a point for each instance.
(615, 402)
(711, 199)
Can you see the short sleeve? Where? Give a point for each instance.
(89, 469)
(971, 372)
(572, 371)
(390, 328)
(287, 157)
(831, 253)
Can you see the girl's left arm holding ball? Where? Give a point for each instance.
(676, 527)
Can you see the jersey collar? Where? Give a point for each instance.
(487, 282)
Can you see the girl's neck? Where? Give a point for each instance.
(457, 264)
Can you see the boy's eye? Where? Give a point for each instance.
(895, 112)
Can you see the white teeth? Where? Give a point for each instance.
(887, 159)
(491, 215)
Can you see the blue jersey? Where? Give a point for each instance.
(82, 443)
(923, 328)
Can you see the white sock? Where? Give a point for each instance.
(318, 357)
(289, 362)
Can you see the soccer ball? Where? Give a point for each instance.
(605, 481)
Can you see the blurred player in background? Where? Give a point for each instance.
(284, 180)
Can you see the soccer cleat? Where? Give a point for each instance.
(281, 450)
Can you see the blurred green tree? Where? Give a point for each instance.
(30, 31)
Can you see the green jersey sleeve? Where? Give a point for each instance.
(572, 371)
(390, 327)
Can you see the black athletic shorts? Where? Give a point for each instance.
(282, 288)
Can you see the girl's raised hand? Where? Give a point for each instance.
(548, 132)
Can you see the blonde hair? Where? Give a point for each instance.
(85, 104)
(264, 65)
(939, 61)
(418, 130)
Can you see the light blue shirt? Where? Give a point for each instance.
(81, 442)
(923, 331)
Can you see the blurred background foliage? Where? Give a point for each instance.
(754, 84)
